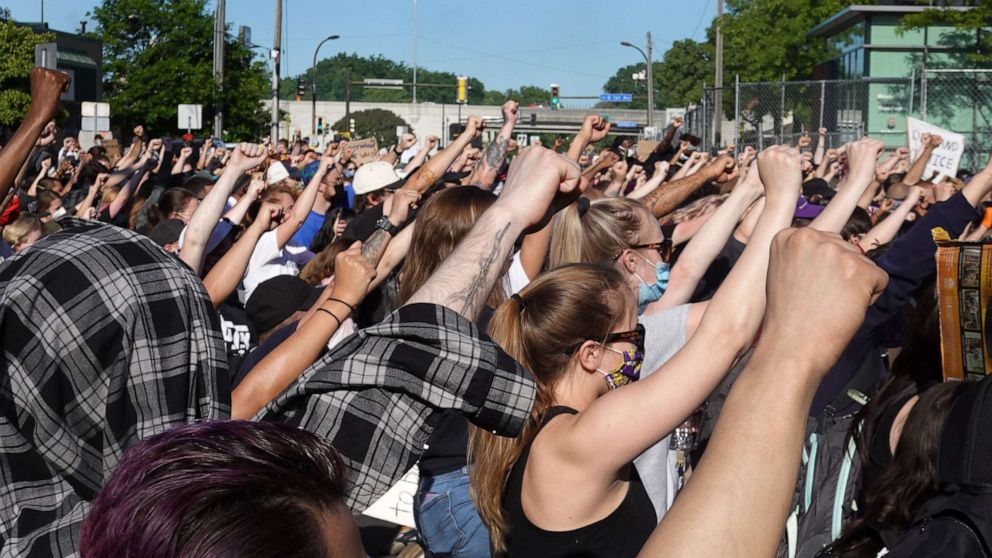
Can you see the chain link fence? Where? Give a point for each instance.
(766, 113)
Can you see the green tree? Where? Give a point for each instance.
(333, 73)
(678, 77)
(526, 95)
(17, 44)
(158, 54)
(970, 44)
(374, 123)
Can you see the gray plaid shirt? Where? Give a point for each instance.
(378, 395)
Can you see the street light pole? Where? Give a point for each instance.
(649, 75)
(313, 86)
(718, 81)
(276, 45)
(220, 35)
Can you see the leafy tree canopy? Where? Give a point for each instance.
(374, 123)
(158, 54)
(17, 44)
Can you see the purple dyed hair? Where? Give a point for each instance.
(218, 489)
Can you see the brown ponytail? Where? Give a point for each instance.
(556, 312)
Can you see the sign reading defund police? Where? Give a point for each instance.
(946, 158)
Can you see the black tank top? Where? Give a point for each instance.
(620, 534)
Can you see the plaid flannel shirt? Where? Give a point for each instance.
(106, 340)
(378, 395)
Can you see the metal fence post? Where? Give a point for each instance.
(823, 99)
(781, 114)
(737, 112)
(923, 96)
(912, 90)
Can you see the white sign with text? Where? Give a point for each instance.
(396, 505)
(945, 159)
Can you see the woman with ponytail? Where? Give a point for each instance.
(623, 234)
(566, 486)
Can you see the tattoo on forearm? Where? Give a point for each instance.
(496, 153)
(375, 246)
(469, 300)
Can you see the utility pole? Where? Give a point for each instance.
(220, 34)
(650, 77)
(276, 45)
(414, 51)
(718, 81)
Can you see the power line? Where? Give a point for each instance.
(515, 61)
(702, 16)
(530, 51)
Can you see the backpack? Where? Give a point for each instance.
(830, 476)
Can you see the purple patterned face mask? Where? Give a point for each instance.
(628, 371)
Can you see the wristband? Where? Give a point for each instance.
(338, 300)
(331, 314)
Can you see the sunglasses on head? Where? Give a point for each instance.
(634, 336)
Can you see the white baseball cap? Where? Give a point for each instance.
(373, 176)
(277, 173)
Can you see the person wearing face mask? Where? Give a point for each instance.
(567, 486)
(622, 233)
(348, 189)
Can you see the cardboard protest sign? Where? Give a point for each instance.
(396, 505)
(946, 158)
(364, 150)
(964, 283)
(645, 148)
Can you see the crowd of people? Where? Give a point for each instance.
(233, 350)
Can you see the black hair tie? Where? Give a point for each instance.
(519, 300)
(584, 205)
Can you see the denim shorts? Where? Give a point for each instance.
(448, 522)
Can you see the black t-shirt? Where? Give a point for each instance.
(719, 269)
(448, 445)
(240, 337)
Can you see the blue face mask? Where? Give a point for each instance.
(348, 173)
(650, 293)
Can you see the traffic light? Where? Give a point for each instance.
(320, 125)
(462, 90)
(301, 89)
(555, 101)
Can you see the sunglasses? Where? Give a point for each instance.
(664, 248)
(634, 336)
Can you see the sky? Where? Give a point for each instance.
(511, 43)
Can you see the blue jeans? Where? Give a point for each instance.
(447, 520)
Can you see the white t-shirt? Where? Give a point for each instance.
(516, 277)
(665, 335)
(268, 261)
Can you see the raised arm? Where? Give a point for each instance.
(594, 129)
(432, 170)
(665, 200)
(281, 367)
(226, 274)
(304, 203)
(46, 88)
(660, 173)
(396, 210)
(539, 182)
(180, 162)
(705, 246)
(495, 156)
(886, 230)
(662, 401)
(821, 146)
(45, 165)
(403, 143)
(927, 145)
(237, 213)
(738, 498)
(429, 144)
(861, 157)
(208, 213)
